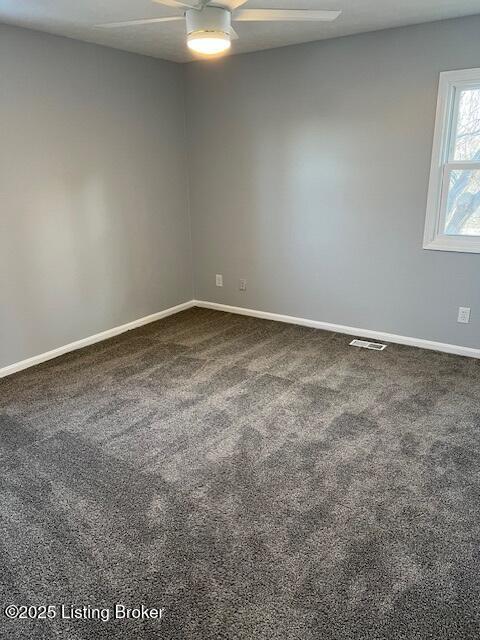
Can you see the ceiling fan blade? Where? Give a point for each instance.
(231, 5)
(179, 4)
(133, 23)
(233, 34)
(272, 15)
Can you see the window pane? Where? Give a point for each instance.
(467, 140)
(463, 204)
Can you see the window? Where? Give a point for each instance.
(453, 208)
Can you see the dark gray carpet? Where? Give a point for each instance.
(257, 480)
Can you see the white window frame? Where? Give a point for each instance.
(449, 91)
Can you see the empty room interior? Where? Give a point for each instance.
(240, 319)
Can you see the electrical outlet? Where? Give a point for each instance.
(242, 284)
(463, 315)
(219, 280)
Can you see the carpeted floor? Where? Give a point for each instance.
(255, 480)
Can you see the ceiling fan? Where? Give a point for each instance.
(209, 22)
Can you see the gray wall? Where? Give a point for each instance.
(308, 176)
(309, 172)
(94, 227)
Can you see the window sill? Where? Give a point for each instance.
(455, 243)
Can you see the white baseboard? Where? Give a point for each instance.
(98, 337)
(327, 326)
(339, 328)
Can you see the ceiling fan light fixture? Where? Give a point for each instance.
(209, 28)
(209, 43)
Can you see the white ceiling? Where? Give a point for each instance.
(75, 19)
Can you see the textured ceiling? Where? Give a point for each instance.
(75, 19)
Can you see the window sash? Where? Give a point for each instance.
(447, 170)
(457, 90)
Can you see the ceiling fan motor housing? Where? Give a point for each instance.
(208, 20)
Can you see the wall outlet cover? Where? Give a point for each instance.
(219, 280)
(463, 315)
